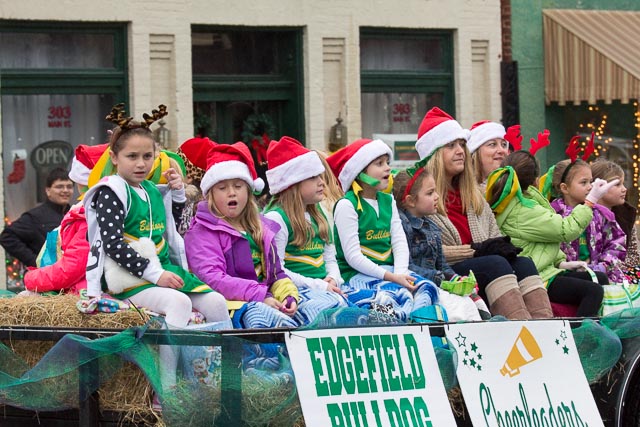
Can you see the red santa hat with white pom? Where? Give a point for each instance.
(349, 161)
(230, 162)
(437, 130)
(290, 163)
(482, 132)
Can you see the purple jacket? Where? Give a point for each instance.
(220, 256)
(605, 239)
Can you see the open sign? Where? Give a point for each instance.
(52, 154)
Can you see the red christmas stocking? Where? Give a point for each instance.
(17, 174)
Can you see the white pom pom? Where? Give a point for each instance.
(258, 185)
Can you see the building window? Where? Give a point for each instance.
(58, 80)
(240, 72)
(403, 74)
(56, 50)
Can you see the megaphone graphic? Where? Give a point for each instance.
(525, 350)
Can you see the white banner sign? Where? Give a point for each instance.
(522, 374)
(371, 377)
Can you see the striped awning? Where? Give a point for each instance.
(591, 55)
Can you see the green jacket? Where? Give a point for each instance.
(539, 230)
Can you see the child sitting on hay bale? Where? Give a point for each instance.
(126, 207)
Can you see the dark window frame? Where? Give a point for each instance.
(73, 81)
(287, 86)
(418, 81)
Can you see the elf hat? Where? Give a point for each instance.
(85, 158)
(290, 163)
(436, 130)
(482, 132)
(196, 150)
(349, 161)
(230, 162)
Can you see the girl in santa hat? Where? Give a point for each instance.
(471, 238)
(304, 241)
(371, 246)
(232, 247)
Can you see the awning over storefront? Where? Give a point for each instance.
(591, 55)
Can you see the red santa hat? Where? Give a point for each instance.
(482, 132)
(290, 163)
(196, 151)
(230, 162)
(437, 130)
(349, 161)
(85, 158)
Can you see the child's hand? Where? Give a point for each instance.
(173, 178)
(272, 302)
(170, 280)
(290, 306)
(404, 280)
(332, 286)
(599, 188)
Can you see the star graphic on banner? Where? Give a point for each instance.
(479, 368)
(563, 335)
(473, 362)
(565, 349)
(474, 347)
(466, 352)
(479, 356)
(557, 341)
(461, 339)
(464, 362)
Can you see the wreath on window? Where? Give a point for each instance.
(256, 133)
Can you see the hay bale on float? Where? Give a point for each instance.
(128, 391)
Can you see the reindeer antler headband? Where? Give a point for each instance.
(118, 116)
(574, 149)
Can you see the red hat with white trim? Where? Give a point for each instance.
(230, 162)
(196, 151)
(349, 161)
(482, 132)
(437, 130)
(85, 158)
(290, 163)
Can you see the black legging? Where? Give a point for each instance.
(488, 268)
(577, 288)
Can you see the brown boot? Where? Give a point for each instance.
(535, 297)
(505, 298)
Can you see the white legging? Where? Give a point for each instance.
(176, 307)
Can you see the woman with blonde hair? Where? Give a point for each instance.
(470, 236)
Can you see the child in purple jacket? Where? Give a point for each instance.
(602, 244)
(231, 247)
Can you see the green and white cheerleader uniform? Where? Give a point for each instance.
(307, 266)
(370, 241)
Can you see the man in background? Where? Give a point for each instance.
(24, 237)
